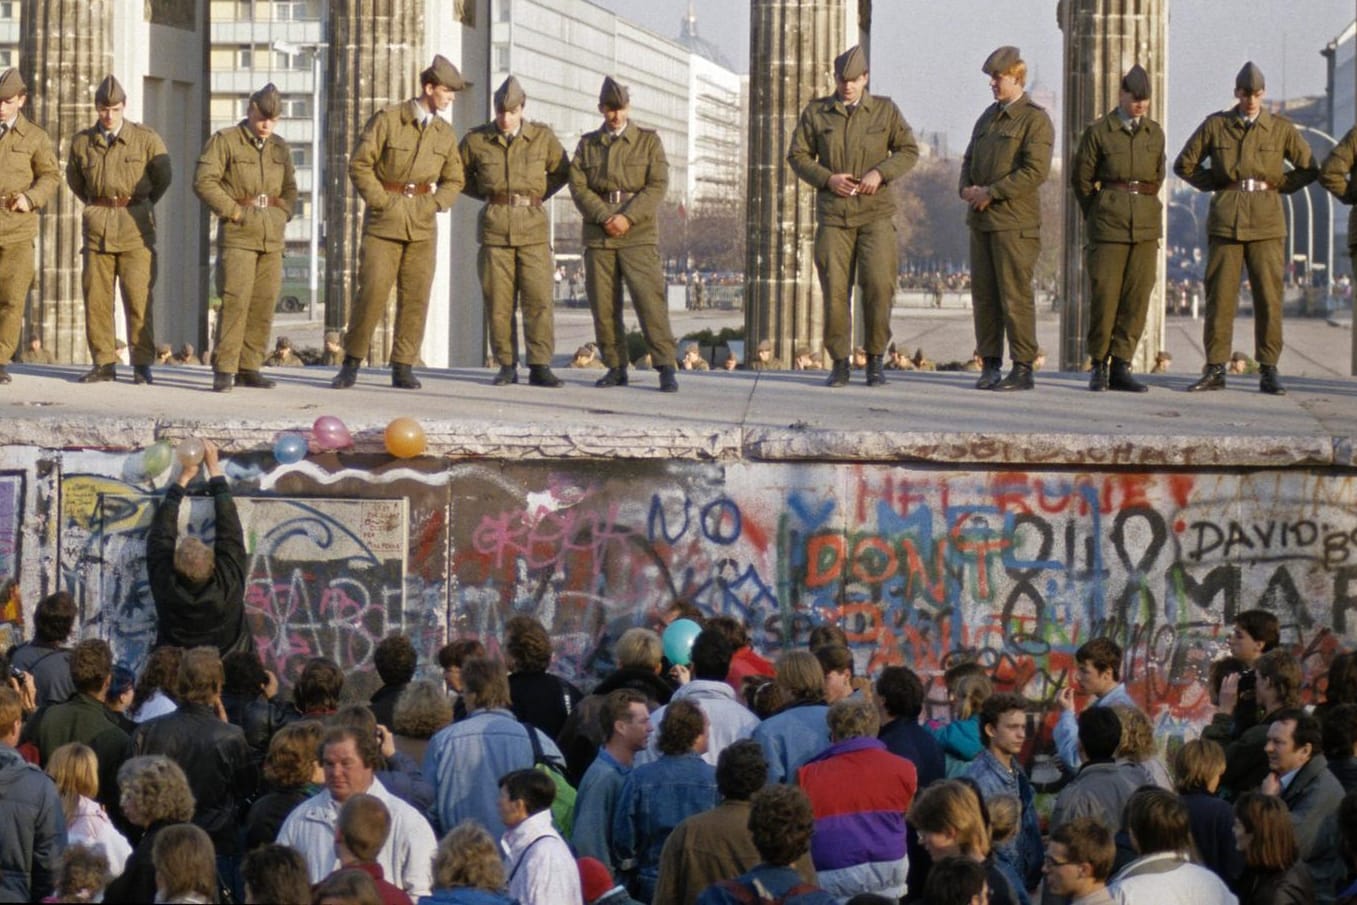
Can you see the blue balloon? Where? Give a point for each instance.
(678, 641)
(289, 448)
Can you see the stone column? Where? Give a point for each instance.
(1103, 39)
(374, 60)
(66, 50)
(792, 46)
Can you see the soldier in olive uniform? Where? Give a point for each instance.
(29, 178)
(850, 146)
(246, 178)
(407, 169)
(1339, 176)
(119, 170)
(513, 165)
(1007, 160)
(618, 178)
(1118, 170)
(1240, 155)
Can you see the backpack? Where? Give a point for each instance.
(563, 805)
(759, 895)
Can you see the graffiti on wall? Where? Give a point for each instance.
(11, 526)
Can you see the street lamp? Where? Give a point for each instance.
(315, 51)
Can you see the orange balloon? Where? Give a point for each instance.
(405, 438)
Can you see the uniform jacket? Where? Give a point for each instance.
(1279, 887)
(730, 720)
(1066, 732)
(1009, 154)
(1337, 174)
(770, 882)
(831, 139)
(592, 830)
(654, 800)
(1225, 150)
(632, 162)
(712, 846)
(30, 168)
(393, 148)
(136, 166)
(860, 793)
(532, 164)
(232, 168)
(792, 737)
(406, 857)
(217, 761)
(1109, 152)
(35, 830)
(538, 866)
(465, 760)
(213, 613)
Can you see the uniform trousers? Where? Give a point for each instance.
(872, 252)
(1002, 297)
(1225, 261)
(250, 281)
(523, 275)
(638, 266)
(1121, 278)
(407, 265)
(134, 271)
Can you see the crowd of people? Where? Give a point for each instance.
(724, 779)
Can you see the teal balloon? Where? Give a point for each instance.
(157, 457)
(289, 448)
(678, 641)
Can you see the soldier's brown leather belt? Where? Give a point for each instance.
(261, 201)
(115, 201)
(1252, 185)
(1137, 186)
(408, 189)
(513, 199)
(618, 197)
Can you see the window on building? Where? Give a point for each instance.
(245, 58)
(297, 108)
(6, 58)
(301, 156)
(501, 57)
(502, 10)
(9, 9)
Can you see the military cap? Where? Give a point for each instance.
(765, 345)
(1250, 79)
(268, 101)
(612, 95)
(442, 72)
(1136, 82)
(109, 93)
(850, 64)
(1002, 60)
(509, 95)
(11, 84)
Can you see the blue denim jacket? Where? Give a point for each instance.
(594, 806)
(656, 798)
(1024, 851)
(791, 738)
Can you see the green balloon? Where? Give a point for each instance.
(157, 457)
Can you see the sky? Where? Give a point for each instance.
(933, 50)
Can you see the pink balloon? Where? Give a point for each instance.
(330, 433)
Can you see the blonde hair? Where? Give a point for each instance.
(638, 648)
(970, 695)
(1137, 735)
(467, 856)
(157, 787)
(1197, 764)
(952, 806)
(1004, 813)
(421, 710)
(74, 769)
(1018, 72)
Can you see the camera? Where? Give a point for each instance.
(16, 673)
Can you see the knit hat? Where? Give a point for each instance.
(595, 880)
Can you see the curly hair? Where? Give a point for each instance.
(1282, 671)
(527, 644)
(741, 770)
(1137, 734)
(781, 822)
(291, 760)
(185, 863)
(468, 856)
(157, 788)
(319, 686)
(455, 653)
(161, 673)
(682, 725)
(852, 718)
(83, 874)
(421, 710)
(901, 691)
(395, 659)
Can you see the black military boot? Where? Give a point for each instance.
(614, 377)
(99, 374)
(222, 382)
(876, 373)
(1121, 380)
(142, 374)
(541, 376)
(1097, 378)
(990, 374)
(507, 374)
(668, 380)
(254, 380)
(1269, 381)
(348, 373)
(1019, 378)
(839, 373)
(403, 377)
(1213, 378)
